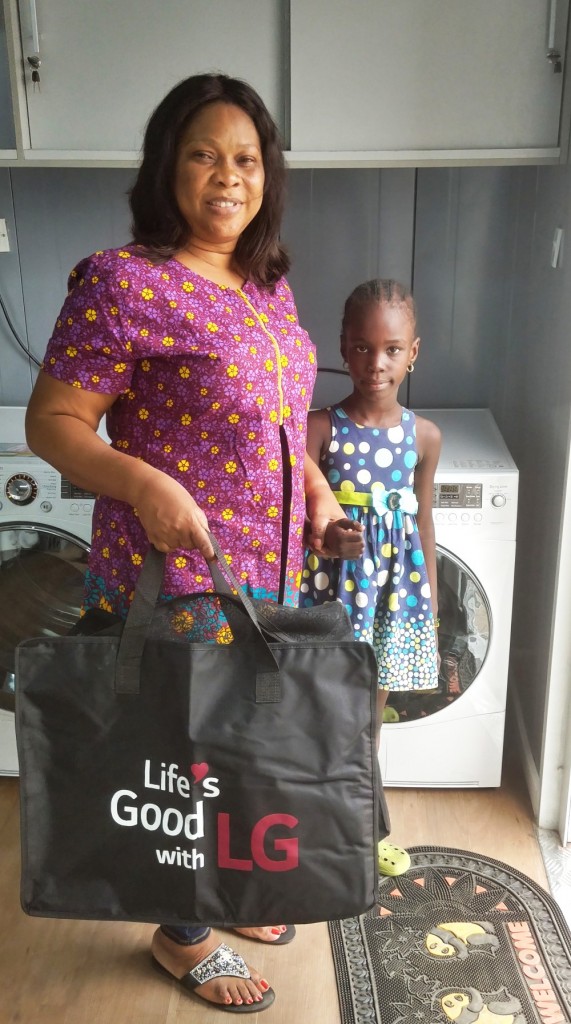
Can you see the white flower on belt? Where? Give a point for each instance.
(403, 500)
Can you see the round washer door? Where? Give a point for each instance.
(463, 641)
(42, 572)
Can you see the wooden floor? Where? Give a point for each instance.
(69, 972)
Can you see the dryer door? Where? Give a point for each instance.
(463, 640)
(42, 572)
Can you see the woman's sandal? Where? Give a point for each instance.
(393, 860)
(283, 939)
(223, 962)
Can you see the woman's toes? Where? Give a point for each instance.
(228, 989)
(269, 933)
(235, 994)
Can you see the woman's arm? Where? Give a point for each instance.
(61, 427)
(429, 444)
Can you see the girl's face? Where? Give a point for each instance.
(219, 175)
(378, 345)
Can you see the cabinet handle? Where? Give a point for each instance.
(553, 55)
(34, 26)
(33, 60)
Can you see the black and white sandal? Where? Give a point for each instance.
(223, 962)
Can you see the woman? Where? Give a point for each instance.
(188, 341)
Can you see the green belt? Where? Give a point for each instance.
(395, 500)
(353, 497)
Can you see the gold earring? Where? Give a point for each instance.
(410, 368)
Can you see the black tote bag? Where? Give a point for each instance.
(199, 783)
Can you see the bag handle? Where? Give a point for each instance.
(237, 605)
(141, 611)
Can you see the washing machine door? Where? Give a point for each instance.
(463, 640)
(42, 571)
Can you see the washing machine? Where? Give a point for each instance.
(453, 737)
(45, 530)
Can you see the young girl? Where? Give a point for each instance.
(380, 460)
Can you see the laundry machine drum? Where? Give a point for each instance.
(42, 573)
(464, 639)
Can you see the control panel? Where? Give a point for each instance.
(31, 489)
(488, 505)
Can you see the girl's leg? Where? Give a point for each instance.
(382, 696)
(180, 949)
(393, 860)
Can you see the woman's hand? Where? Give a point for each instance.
(170, 516)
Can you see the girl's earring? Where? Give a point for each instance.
(410, 368)
(345, 364)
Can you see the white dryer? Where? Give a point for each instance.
(454, 737)
(45, 531)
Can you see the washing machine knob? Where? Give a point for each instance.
(498, 500)
(21, 489)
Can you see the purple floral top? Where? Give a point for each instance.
(211, 381)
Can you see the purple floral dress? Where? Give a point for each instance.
(214, 385)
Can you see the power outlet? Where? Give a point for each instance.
(4, 240)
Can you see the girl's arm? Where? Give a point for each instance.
(344, 540)
(429, 443)
(318, 434)
(61, 427)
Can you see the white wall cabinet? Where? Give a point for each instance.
(426, 78)
(106, 64)
(366, 83)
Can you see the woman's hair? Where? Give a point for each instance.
(377, 292)
(157, 223)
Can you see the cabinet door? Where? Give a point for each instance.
(425, 75)
(106, 64)
(7, 134)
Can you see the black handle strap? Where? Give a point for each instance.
(139, 617)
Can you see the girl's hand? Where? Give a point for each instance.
(344, 539)
(171, 518)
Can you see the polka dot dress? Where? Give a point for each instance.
(386, 591)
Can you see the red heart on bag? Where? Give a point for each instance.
(199, 770)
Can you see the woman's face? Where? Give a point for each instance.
(219, 175)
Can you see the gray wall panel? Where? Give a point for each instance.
(532, 404)
(63, 214)
(343, 227)
(463, 219)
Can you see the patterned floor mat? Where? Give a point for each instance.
(459, 938)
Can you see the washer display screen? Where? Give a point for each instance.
(457, 495)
